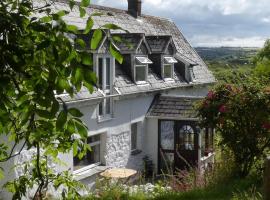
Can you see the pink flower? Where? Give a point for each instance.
(266, 125)
(210, 95)
(222, 109)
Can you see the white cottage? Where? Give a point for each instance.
(145, 105)
(142, 107)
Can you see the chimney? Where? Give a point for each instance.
(135, 7)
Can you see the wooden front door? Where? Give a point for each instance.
(186, 145)
(178, 145)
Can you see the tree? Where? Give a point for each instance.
(241, 113)
(262, 61)
(38, 60)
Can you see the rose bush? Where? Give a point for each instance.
(241, 114)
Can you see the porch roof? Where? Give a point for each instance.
(169, 107)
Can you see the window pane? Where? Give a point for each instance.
(100, 72)
(91, 157)
(166, 162)
(108, 106)
(108, 73)
(167, 71)
(100, 108)
(140, 73)
(133, 136)
(94, 138)
(186, 138)
(167, 135)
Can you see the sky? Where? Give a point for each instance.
(211, 23)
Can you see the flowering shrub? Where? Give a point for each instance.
(241, 114)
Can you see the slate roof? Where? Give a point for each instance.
(129, 43)
(149, 26)
(158, 44)
(173, 108)
(126, 86)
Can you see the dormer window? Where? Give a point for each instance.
(168, 67)
(141, 69)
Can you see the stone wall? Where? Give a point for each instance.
(117, 149)
(118, 153)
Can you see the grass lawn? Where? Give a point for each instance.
(222, 191)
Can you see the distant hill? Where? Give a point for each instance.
(230, 55)
(225, 62)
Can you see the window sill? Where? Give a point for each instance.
(135, 152)
(142, 83)
(168, 79)
(106, 118)
(88, 171)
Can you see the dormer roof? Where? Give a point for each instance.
(160, 43)
(131, 42)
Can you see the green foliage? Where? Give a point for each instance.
(251, 194)
(263, 62)
(241, 113)
(229, 65)
(38, 60)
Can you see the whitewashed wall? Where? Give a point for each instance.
(115, 146)
(116, 137)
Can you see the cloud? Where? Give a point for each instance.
(213, 41)
(243, 20)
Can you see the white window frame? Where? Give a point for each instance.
(105, 116)
(142, 64)
(146, 74)
(104, 72)
(92, 144)
(166, 62)
(172, 71)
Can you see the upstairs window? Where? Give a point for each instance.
(104, 73)
(105, 81)
(141, 69)
(168, 67)
(105, 107)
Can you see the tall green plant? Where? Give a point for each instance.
(38, 60)
(241, 113)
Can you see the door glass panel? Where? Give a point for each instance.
(167, 135)
(187, 136)
(167, 162)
